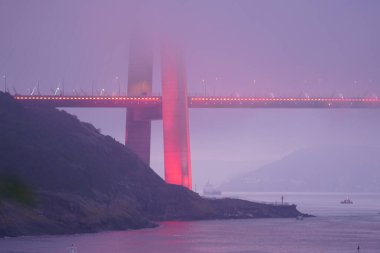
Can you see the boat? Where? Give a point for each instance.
(72, 249)
(210, 190)
(347, 201)
(299, 217)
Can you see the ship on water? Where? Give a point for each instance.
(210, 190)
(347, 201)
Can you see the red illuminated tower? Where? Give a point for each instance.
(175, 117)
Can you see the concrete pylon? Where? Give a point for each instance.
(140, 75)
(175, 117)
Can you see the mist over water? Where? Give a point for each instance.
(321, 204)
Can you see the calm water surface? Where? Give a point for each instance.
(338, 228)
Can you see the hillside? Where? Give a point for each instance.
(319, 169)
(83, 181)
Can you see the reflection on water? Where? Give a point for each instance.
(338, 228)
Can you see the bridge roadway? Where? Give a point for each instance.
(201, 102)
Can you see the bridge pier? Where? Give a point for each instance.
(138, 133)
(175, 118)
(140, 75)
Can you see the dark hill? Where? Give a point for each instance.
(84, 181)
(317, 169)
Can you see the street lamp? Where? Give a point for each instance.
(118, 83)
(5, 83)
(215, 86)
(204, 85)
(253, 86)
(62, 92)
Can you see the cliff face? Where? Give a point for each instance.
(84, 181)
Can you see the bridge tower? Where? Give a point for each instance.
(174, 109)
(175, 117)
(140, 75)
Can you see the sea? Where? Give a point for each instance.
(336, 228)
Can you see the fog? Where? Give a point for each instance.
(239, 48)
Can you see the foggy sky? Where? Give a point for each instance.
(323, 48)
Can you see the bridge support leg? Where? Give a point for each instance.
(175, 118)
(137, 134)
(140, 74)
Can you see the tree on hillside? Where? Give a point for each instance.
(12, 188)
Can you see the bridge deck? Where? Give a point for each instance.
(201, 102)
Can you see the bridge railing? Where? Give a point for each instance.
(204, 102)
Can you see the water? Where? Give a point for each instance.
(337, 229)
(320, 204)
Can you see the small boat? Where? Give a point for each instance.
(347, 201)
(210, 190)
(72, 249)
(299, 217)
